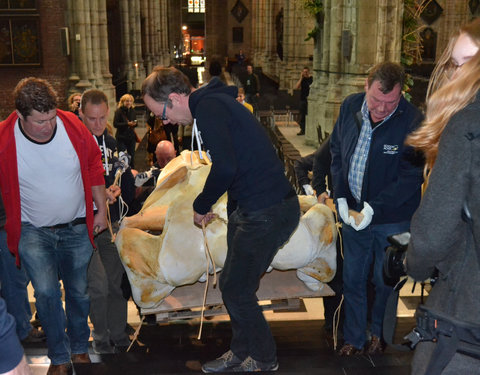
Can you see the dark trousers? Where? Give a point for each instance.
(361, 250)
(108, 306)
(303, 113)
(253, 100)
(253, 239)
(128, 145)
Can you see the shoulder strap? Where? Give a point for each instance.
(390, 318)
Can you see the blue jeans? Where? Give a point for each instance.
(360, 250)
(14, 283)
(253, 239)
(50, 254)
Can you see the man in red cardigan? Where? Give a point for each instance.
(50, 175)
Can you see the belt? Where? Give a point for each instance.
(77, 221)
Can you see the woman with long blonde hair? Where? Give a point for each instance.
(125, 121)
(444, 234)
(453, 85)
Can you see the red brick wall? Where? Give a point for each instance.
(55, 66)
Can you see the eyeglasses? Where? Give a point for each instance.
(164, 116)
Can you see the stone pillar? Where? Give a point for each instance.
(128, 68)
(96, 73)
(374, 30)
(87, 22)
(297, 24)
(137, 46)
(103, 46)
(155, 35)
(79, 27)
(74, 77)
(164, 45)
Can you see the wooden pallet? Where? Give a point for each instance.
(280, 289)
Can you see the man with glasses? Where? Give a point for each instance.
(376, 184)
(263, 209)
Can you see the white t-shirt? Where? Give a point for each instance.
(51, 186)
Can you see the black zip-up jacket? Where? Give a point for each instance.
(127, 184)
(244, 162)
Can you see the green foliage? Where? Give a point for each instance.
(312, 34)
(411, 40)
(316, 9)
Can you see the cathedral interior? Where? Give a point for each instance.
(113, 45)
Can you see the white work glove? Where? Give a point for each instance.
(367, 213)
(143, 177)
(343, 211)
(308, 189)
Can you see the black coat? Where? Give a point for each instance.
(122, 116)
(440, 236)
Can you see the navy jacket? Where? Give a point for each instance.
(394, 172)
(244, 162)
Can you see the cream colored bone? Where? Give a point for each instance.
(157, 263)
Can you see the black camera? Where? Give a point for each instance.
(393, 265)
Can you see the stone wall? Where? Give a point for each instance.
(54, 66)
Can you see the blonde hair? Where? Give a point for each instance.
(125, 97)
(447, 96)
(70, 99)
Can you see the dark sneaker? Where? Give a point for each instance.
(35, 335)
(121, 345)
(102, 347)
(226, 363)
(250, 365)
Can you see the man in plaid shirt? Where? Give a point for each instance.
(376, 183)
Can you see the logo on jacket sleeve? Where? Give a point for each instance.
(390, 149)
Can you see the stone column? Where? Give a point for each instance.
(165, 57)
(147, 36)
(79, 26)
(374, 29)
(96, 73)
(74, 77)
(128, 68)
(103, 45)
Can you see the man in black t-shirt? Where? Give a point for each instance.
(303, 85)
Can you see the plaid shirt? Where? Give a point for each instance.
(360, 156)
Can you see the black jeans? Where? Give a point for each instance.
(303, 113)
(253, 240)
(128, 144)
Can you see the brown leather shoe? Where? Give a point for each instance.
(348, 350)
(63, 369)
(376, 346)
(81, 358)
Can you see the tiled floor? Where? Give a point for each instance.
(302, 347)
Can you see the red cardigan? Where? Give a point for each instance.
(91, 168)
